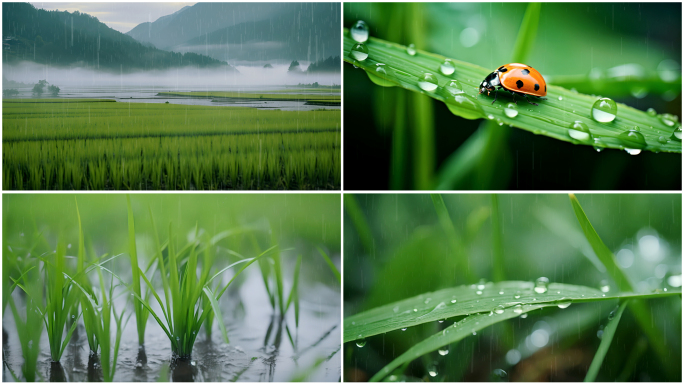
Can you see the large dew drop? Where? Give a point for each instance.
(604, 286)
(432, 371)
(511, 110)
(633, 141)
(579, 131)
(359, 31)
(411, 49)
(361, 343)
(564, 305)
(604, 110)
(668, 119)
(428, 82)
(541, 286)
(499, 309)
(381, 75)
(447, 68)
(677, 134)
(453, 88)
(359, 51)
(464, 106)
(443, 352)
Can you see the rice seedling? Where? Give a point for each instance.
(141, 313)
(111, 152)
(188, 298)
(29, 327)
(185, 276)
(103, 312)
(427, 320)
(60, 298)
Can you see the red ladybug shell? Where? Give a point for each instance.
(522, 78)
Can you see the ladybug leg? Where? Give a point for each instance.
(529, 101)
(496, 93)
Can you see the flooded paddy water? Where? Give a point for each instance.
(150, 94)
(259, 348)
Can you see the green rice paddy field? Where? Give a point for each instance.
(91, 144)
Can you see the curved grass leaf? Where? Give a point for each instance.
(438, 305)
(608, 334)
(643, 313)
(330, 264)
(454, 333)
(551, 118)
(473, 323)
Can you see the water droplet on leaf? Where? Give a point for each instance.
(604, 110)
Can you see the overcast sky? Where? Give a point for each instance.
(120, 16)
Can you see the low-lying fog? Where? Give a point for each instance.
(181, 78)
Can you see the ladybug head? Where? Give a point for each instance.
(489, 83)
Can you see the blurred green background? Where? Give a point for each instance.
(298, 221)
(587, 40)
(402, 251)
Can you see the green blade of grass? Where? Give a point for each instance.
(551, 118)
(608, 334)
(499, 272)
(450, 335)
(451, 234)
(331, 265)
(352, 208)
(415, 311)
(294, 295)
(140, 317)
(641, 312)
(217, 312)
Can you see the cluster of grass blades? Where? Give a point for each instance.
(565, 115)
(57, 294)
(478, 306)
(189, 299)
(272, 276)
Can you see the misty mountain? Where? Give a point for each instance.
(78, 39)
(249, 31)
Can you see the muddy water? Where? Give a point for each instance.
(259, 348)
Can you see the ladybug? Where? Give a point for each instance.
(516, 78)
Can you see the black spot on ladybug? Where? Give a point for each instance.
(502, 69)
(525, 71)
(536, 87)
(519, 83)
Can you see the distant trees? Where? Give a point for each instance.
(331, 64)
(268, 65)
(10, 92)
(39, 88)
(53, 89)
(294, 67)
